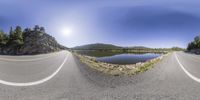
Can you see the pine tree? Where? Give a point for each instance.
(15, 37)
(3, 38)
(18, 33)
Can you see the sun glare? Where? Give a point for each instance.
(66, 31)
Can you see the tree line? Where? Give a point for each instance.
(15, 36)
(195, 44)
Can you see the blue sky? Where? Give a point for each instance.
(151, 23)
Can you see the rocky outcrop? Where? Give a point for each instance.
(35, 41)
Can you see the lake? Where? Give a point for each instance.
(120, 57)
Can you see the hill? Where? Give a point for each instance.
(102, 46)
(138, 47)
(96, 46)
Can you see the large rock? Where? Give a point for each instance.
(35, 42)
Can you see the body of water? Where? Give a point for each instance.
(120, 57)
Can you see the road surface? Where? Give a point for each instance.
(60, 76)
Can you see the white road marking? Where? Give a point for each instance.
(190, 75)
(35, 82)
(28, 60)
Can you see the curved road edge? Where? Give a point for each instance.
(188, 73)
(35, 82)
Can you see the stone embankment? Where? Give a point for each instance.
(116, 69)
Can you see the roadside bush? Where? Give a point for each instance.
(195, 44)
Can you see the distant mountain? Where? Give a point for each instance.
(138, 47)
(97, 46)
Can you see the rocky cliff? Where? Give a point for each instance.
(35, 41)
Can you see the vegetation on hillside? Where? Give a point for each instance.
(14, 38)
(97, 46)
(27, 41)
(113, 48)
(3, 38)
(195, 44)
(177, 49)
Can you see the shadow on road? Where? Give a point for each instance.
(188, 52)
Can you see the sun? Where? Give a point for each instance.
(66, 31)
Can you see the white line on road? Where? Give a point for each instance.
(190, 75)
(5, 59)
(35, 82)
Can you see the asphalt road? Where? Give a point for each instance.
(60, 76)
